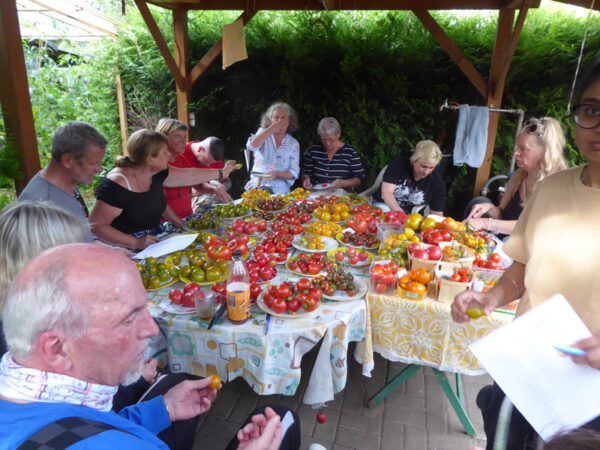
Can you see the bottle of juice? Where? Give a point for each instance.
(238, 290)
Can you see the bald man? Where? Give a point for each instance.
(76, 325)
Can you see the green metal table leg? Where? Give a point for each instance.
(456, 401)
(392, 384)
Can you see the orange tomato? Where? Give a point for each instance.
(215, 382)
(404, 281)
(415, 286)
(422, 276)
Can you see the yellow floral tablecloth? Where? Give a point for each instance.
(422, 332)
(270, 363)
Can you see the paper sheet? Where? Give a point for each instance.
(167, 246)
(234, 43)
(550, 390)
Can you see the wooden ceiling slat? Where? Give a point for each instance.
(333, 5)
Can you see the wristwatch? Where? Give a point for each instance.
(221, 177)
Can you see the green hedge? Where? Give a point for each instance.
(380, 74)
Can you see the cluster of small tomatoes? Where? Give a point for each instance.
(262, 268)
(336, 279)
(461, 275)
(293, 216)
(309, 264)
(415, 280)
(289, 297)
(492, 262)
(383, 276)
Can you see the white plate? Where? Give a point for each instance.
(330, 244)
(297, 315)
(361, 290)
(321, 186)
(172, 308)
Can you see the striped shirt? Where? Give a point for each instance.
(344, 165)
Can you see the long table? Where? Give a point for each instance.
(268, 361)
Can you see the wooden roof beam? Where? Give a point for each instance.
(215, 51)
(331, 5)
(161, 43)
(453, 51)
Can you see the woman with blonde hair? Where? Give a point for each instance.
(276, 151)
(539, 152)
(28, 228)
(131, 200)
(410, 182)
(176, 132)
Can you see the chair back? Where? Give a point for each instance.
(248, 157)
(376, 183)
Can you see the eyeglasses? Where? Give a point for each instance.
(587, 116)
(535, 126)
(81, 201)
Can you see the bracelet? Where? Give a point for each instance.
(497, 226)
(489, 227)
(514, 283)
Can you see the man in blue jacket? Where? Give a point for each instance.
(77, 326)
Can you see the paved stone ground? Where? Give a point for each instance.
(416, 416)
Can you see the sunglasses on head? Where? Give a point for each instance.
(535, 126)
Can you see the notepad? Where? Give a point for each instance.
(552, 392)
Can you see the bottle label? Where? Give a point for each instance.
(238, 302)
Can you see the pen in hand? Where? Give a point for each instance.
(570, 350)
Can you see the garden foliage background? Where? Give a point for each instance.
(380, 74)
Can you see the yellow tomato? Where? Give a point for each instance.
(409, 232)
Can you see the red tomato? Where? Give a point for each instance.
(255, 290)
(316, 293)
(176, 296)
(434, 253)
(283, 291)
(294, 304)
(495, 257)
(455, 277)
(191, 287)
(303, 284)
(413, 247)
(310, 303)
(491, 265)
(267, 273)
(279, 306)
(314, 268)
(380, 288)
(188, 299)
(269, 299)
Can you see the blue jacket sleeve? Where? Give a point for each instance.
(151, 414)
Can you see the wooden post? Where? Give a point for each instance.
(181, 41)
(504, 47)
(14, 93)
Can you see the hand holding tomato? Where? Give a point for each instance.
(471, 300)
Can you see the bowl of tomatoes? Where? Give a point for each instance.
(291, 299)
(384, 275)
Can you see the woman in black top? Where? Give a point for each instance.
(131, 200)
(539, 152)
(411, 182)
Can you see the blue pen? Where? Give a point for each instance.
(570, 350)
(267, 322)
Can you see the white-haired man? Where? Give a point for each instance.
(76, 325)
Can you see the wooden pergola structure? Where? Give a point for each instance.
(13, 78)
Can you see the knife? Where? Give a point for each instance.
(218, 314)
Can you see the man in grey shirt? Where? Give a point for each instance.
(77, 153)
